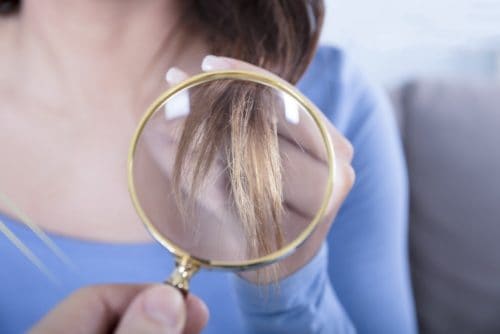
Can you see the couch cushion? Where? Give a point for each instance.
(452, 140)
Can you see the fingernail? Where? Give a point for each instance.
(177, 106)
(212, 63)
(164, 306)
(174, 75)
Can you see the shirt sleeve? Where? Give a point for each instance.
(360, 282)
(369, 262)
(304, 302)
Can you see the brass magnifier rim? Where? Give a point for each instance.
(264, 79)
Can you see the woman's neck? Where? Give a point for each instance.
(95, 54)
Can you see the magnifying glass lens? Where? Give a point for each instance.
(230, 170)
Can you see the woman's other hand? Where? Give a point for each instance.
(126, 309)
(299, 190)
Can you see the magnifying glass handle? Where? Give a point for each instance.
(184, 270)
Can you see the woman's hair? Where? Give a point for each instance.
(278, 35)
(281, 36)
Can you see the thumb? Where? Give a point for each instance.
(159, 309)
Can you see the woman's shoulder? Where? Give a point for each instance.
(338, 86)
(333, 65)
(325, 65)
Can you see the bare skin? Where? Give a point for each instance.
(70, 98)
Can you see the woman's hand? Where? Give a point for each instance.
(300, 187)
(126, 309)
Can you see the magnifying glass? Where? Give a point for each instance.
(230, 170)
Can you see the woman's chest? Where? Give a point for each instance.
(69, 179)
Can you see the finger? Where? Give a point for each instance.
(93, 309)
(215, 63)
(178, 105)
(159, 309)
(175, 75)
(306, 131)
(304, 172)
(305, 134)
(197, 315)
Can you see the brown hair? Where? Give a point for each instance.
(233, 122)
(278, 35)
(281, 36)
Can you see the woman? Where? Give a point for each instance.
(75, 77)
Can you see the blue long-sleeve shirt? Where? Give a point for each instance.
(358, 282)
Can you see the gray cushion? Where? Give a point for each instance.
(452, 141)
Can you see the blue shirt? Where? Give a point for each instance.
(358, 282)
